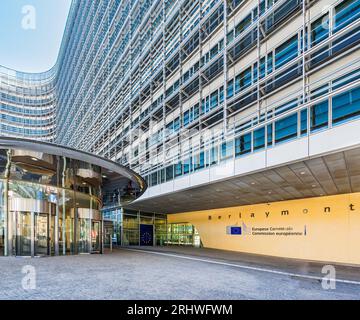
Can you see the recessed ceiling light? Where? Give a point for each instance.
(302, 173)
(84, 183)
(104, 176)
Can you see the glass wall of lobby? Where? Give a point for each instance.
(133, 228)
(49, 205)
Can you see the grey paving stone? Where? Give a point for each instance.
(139, 275)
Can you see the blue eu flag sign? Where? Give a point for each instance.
(234, 230)
(146, 235)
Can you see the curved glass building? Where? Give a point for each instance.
(27, 104)
(51, 197)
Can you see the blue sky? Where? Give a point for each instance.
(26, 49)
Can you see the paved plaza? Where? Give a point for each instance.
(165, 274)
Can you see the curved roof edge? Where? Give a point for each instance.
(59, 150)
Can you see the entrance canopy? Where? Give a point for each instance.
(45, 163)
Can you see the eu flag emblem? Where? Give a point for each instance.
(235, 230)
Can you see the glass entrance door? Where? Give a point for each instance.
(23, 233)
(41, 234)
(31, 234)
(95, 236)
(108, 237)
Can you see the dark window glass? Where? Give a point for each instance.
(187, 165)
(259, 138)
(214, 155)
(270, 63)
(214, 100)
(186, 118)
(255, 71)
(178, 169)
(319, 117)
(230, 88)
(162, 175)
(243, 144)
(154, 180)
(320, 32)
(226, 149)
(346, 13)
(243, 25)
(221, 95)
(196, 111)
(304, 116)
(169, 173)
(286, 129)
(262, 68)
(199, 161)
(286, 52)
(270, 134)
(346, 106)
(243, 80)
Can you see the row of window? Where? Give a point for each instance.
(26, 121)
(37, 100)
(210, 24)
(283, 54)
(344, 107)
(27, 132)
(27, 111)
(208, 103)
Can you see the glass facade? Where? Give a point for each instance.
(50, 204)
(130, 227)
(183, 234)
(169, 88)
(127, 229)
(27, 104)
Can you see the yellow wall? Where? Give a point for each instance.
(331, 237)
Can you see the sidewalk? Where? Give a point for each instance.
(303, 267)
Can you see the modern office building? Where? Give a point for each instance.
(242, 116)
